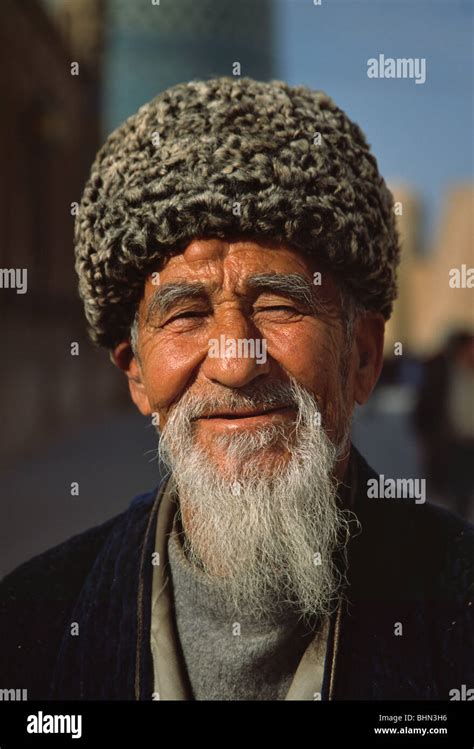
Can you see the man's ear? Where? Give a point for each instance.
(124, 358)
(369, 340)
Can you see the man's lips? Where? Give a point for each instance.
(244, 413)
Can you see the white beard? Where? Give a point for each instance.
(265, 528)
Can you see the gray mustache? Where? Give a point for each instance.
(277, 396)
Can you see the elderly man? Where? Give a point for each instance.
(237, 252)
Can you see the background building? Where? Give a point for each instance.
(429, 308)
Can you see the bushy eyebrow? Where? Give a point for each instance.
(295, 286)
(170, 294)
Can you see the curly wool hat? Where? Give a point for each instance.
(300, 170)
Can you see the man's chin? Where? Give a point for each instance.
(261, 462)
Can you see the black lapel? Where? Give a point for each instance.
(113, 613)
(384, 648)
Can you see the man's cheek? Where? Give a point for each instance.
(166, 375)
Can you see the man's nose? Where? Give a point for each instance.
(237, 353)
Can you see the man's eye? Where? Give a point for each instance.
(279, 307)
(183, 315)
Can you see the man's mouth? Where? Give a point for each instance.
(247, 413)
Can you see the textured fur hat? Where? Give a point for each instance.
(300, 170)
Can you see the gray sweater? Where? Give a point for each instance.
(226, 658)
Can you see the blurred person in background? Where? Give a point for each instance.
(444, 421)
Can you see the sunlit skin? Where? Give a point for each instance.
(174, 351)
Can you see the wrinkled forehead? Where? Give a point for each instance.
(243, 267)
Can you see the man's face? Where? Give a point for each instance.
(255, 437)
(289, 335)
